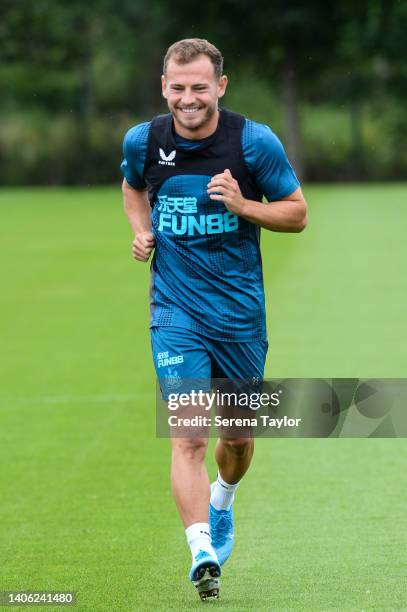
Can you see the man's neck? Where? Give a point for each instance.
(199, 134)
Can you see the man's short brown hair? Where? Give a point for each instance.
(185, 51)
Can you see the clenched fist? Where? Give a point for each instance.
(224, 188)
(143, 245)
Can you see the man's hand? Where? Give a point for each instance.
(142, 246)
(286, 215)
(224, 188)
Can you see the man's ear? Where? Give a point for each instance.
(163, 86)
(223, 81)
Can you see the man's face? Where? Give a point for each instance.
(192, 92)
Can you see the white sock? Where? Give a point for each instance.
(198, 537)
(223, 494)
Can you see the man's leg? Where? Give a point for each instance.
(233, 458)
(190, 487)
(189, 479)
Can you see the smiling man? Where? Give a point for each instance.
(193, 192)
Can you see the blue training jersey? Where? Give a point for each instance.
(206, 269)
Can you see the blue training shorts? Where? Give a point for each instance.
(182, 355)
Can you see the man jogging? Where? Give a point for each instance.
(193, 191)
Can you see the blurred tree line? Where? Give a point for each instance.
(329, 77)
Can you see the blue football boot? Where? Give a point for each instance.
(221, 528)
(205, 575)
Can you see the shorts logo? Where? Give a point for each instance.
(172, 379)
(167, 160)
(164, 360)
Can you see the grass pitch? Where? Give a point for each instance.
(85, 500)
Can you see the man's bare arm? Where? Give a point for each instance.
(138, 211)
(287, 215)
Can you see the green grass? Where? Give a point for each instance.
(85, 501)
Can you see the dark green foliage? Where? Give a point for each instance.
(74, 76)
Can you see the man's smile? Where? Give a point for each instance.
(190, 110)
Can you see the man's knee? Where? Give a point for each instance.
(190, 448)
(239, 446)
